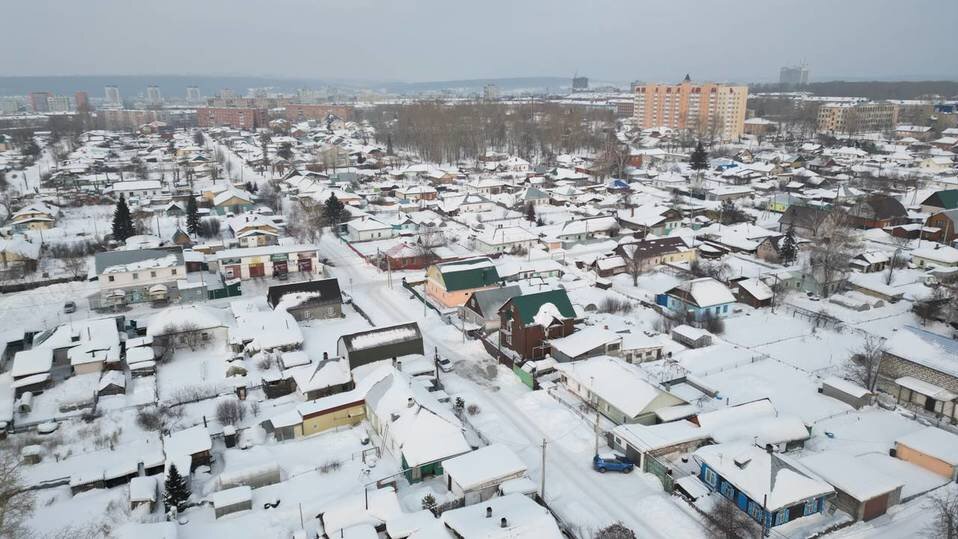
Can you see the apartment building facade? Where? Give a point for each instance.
(234, 117)
(708, 109)
(850, 118)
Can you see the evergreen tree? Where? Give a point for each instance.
(389, 144)
(192, 216)
(789, 248)
(177, 492)
(122, 221)
(333, 211)
(699, 158)
(530, 212)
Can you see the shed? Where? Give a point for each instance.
(143, 492)
(861, 490)
(232, 500)
(476, 476)
(111, 383)
(848, 392)
(931, 448)
(691, 336)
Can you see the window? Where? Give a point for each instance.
(173, 271)
(755, 511)
(136, 276)
(711, 477)
(111, 278)
(728, 490)
(811, 507)
(152, 275)
(781, 517)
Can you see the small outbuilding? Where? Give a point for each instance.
(143, 492)
(232, 500)
(848, 392)
(931, 448)
(476, 476)
(861, 491)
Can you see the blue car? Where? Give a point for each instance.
(616, 463)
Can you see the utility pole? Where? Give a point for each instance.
(542, 479)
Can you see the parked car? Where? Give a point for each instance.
(70, 307)
(445, 365)
(616, 463)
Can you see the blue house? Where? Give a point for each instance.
(767, 486)
(698, 298)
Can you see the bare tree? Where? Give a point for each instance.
(636, 260)
(615, 531)
(76, 266)
(16, 503)
(832, 250)
(726, 521)
(865, 364)
(897, 259)
(944, 509)
(230, 411)
(932, 307)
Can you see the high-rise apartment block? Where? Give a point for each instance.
(112, 95)
(709, 110)
(793, 75)
(153, 96)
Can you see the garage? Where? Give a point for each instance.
(233, 272)
(875, 507)
(861, 490)
(305, 264)
(280, 268)
(257, 270)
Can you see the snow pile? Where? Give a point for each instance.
(382, 338)
(547, 313)
(160, 262)
(294, 299)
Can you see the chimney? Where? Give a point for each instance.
(488, 512)
(632, 211)
(410, 402)
(503, 523)
(325, 356)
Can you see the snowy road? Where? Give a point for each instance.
(573, 489)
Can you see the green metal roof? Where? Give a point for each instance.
(947, 199)
(529, 304)
(460, 276)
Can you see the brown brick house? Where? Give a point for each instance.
(528, 321)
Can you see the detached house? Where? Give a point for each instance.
(138, 276)
(450, 284)
(528, 321)
(767, 486)
(36, 216)
(616, 389)
(699, 299)
(308, 300)
(505, 240)
(232, 200)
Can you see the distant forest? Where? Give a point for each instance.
(871, 89)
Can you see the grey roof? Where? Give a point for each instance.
(118, 258)
(488, 301)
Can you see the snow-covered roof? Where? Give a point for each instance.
(136, 185)
(584, 340)
(524, 519)
(179, 317)
(847, 387)
(20, 247)
(143, 489)
(934, 442)
(850, 475)
(231, 496)
(185, 443)
(33, 361)
(753, 471)
(705, 292)
(484, 466)
(758, 289)
(616, 382)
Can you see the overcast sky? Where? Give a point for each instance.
(427, 40)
